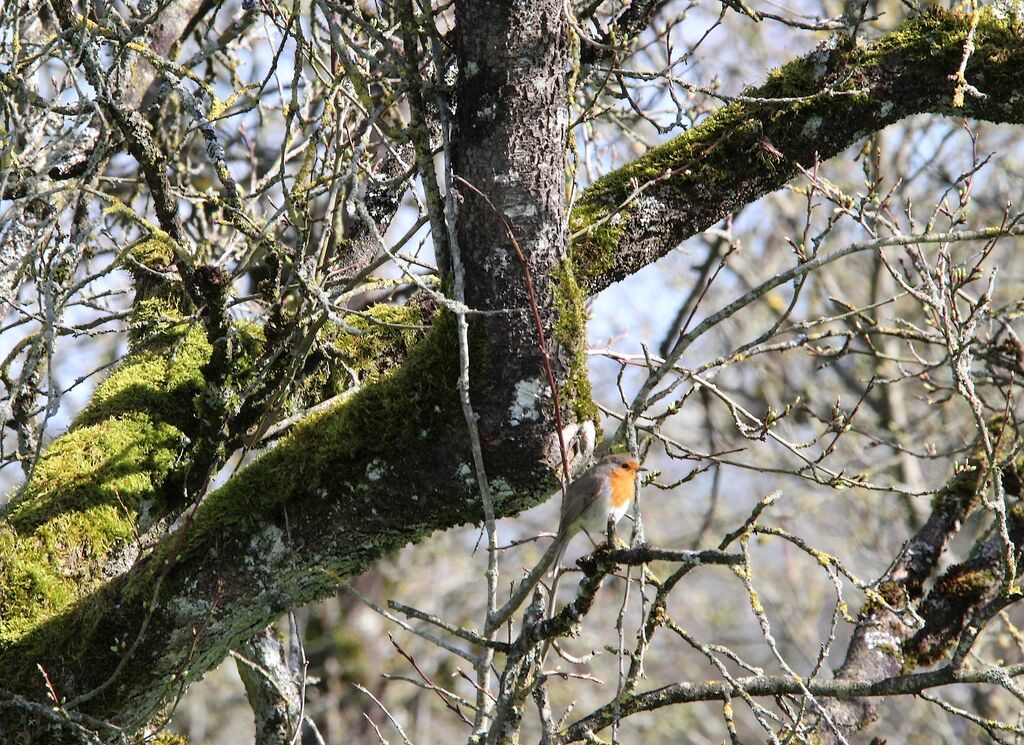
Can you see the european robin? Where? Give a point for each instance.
(603, 493)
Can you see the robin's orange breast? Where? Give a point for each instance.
(623, 487)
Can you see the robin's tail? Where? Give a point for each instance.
(557, 550)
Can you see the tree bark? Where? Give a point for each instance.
(508, 153)
(274, 693)
(387, 466)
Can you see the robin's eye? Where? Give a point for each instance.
(625, 465)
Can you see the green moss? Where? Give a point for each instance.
(600, 227)
(413, 402)
(93, 486)
(960, 494)
(935, 28)
(160, 381)
(248, 343)
(383, 336)
(940, 35)
(85, 498)
(677, 164)
(966, 584)
(748, 147)
(42, 572)
(155, 252)
(31, 587)
(396, 403)
(388, 332)
(910, 661)
(679, 169)
(570, 331)
(893, 593)
(116, 462)
(152, 320)
(796, 78)
(150, 262)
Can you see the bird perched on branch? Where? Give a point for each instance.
(603, 493)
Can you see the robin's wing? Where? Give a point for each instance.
(580, 495)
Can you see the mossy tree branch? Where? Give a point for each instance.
(812, 108)
(314, 512)
(116, 472)
(341, 490)
(887, 639)
(388, 466)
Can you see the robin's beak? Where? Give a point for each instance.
(642, 470)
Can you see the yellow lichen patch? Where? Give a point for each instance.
(169, 738)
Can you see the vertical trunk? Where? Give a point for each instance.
(511, 128)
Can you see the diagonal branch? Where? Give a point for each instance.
(812, 108)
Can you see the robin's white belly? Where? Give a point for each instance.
(595, 520)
